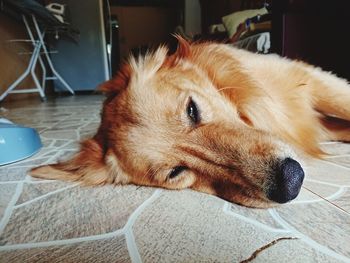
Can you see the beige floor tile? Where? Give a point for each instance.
(7, 191)
(343, 160)
(101, 251)
(74, 212)
(336, 148)
(35, 190)
(328, 172)
(322, 222)
(343, 201)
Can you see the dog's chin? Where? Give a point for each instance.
(258, 203)
(255, 203)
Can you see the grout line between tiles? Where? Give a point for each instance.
(329, 142)
(126, 230)
(252, 221)
(335, 164)
(52, 143)
(44, 196)
(337, 156)
(56, 155)
(132, 247)
(325, 183)
(10, 207)
(323, 249)
(130, 238)
(70, 241)
(11, 182)
(30, 181)
(48, 153)
(55, 125)
(38, 157)
(332, 197)
(337, 194)
(50, 107)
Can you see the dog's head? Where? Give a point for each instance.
(166, 123)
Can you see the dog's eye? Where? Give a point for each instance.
(192, 112)
(176, 171)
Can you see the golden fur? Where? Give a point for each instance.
(255, 110)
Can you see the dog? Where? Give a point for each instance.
(213, 118)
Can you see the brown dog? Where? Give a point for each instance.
(212, 118)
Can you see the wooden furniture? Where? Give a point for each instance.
(313, 31)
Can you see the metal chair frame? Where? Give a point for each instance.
(39, 48)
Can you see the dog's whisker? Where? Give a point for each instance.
(149, 171)
(225, 88)
(146, 174)
(324, 199)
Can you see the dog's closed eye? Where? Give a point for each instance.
(192, 112)
(177, 170)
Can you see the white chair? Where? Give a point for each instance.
(39, 49)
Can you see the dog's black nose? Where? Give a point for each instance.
(289, 176)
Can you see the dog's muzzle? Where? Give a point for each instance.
(286, 183)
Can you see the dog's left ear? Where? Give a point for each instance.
(183, 51)
(90, 166)
(183, 48)
(116, 84)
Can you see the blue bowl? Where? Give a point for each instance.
(17, 142)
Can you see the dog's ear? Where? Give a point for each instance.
(90, 166)
(183, 48)
(183, 51)
(119, 82)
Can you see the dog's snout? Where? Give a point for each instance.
(286, 182)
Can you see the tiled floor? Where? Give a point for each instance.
(51, 221)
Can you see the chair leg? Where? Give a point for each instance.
(30, 68)
(40, 88)
(32, 71)
(43, 68)
(42, 64)
(25, 73)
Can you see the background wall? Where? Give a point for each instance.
(143, 27)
